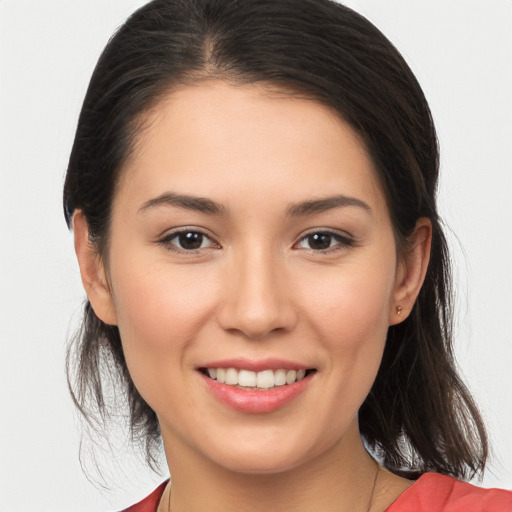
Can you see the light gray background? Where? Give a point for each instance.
(461, 52)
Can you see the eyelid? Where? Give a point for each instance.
(164, 240)
(345, 239)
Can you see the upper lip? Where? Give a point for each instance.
(259, 365)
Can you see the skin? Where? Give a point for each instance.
(257, 288)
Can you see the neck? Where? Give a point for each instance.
(340, 479)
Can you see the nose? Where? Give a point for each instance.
(257, 300)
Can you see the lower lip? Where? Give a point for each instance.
(256, 402)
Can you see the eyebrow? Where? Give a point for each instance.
(328, 203)
(210, 207)
(186, 202)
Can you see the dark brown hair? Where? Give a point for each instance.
(418, 416)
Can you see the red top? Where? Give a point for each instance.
(430, 493)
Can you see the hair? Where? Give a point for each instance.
(418, 416)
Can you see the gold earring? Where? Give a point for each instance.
(399, 310)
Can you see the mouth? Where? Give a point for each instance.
(256, 386)
(264, 380)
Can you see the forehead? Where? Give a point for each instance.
(222, 140)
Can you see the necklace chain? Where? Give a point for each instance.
(377, 471)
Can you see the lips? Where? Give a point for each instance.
(256, 387)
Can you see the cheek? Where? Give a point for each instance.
(158, 310)
(159, 314)
(351, 318)
(355, 302)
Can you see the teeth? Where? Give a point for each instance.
(221, 375)
(291, 376)
(280, 378)
(265, 379)
(231, 377)
(247, 379)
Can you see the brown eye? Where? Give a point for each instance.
(319, 241)
(324, 240)
(186, 241)
(190, 241)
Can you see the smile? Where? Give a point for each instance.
(262, 389)
(262, 380)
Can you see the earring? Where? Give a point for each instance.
(399, 310)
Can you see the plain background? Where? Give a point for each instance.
(461, 52)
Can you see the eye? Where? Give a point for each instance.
(187, 240)
(322, 241)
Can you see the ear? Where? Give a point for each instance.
(92, 271)
(411, 271)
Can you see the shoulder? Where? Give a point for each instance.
(150, 503)
(439, 493)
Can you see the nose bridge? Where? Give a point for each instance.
(256, 299)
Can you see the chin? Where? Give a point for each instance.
(263, 455)
(259, 464)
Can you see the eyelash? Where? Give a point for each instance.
(343, 241)
(166, 241)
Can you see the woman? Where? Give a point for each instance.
(252, 193)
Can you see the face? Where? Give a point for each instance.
(251, 242)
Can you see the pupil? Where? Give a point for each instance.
(191, 240)
(320, 241)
